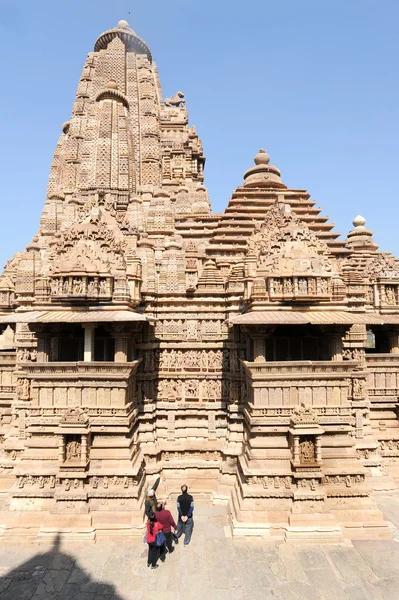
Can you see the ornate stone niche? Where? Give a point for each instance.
(74, 440)
(305, 439)
(73, 447)
(7, 293)
(389, 294)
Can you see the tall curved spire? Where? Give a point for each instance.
(124, 152)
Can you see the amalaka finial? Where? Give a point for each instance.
(263, 174)
(262, 158)
(361, 238)
(359, 221)
(123, 24)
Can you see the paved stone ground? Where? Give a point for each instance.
(212, 567)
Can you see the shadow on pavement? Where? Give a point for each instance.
(53, 575)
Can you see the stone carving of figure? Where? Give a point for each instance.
(23, 389)
(346, 354)
(358, 388)
(306, 451)
(212, 359)
(287, 286)
(204, 361)
(176, 100)
(172, 390)
(370, 295)
(103, 286)
(277, 286)
(146, 391)
(148, 361)
(54, 287)
(311, 286)
(191, 360)
(77, 286)
(173, 360)
(163, 360)
(219, 358)
(33, 355)
(390, 295)
(192, 389)
(162, 388)
(303, 286)
(213, 390)
(157, 355)
(226, 360)
(66, 287)
(73, 450)
(20, 355)
(91, 288)
(323, 286)
(234, 364)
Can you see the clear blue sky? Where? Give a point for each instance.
(315, 82)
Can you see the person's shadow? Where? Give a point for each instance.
(53, 575)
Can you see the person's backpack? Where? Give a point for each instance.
(160, 539)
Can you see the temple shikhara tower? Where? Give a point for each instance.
(252, 354)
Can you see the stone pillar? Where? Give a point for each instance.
(54, 348)
(43, 347)
(89, 328)
(336, 347)
(334, 335)
(318, 448)
(121, 347)
(259, 348)
(61, 455)
(393, 338)
(296, 449)
(83, 453)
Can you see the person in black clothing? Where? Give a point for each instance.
(185, 508)
(151, 500)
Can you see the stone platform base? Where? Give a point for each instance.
(47, 526)
(312, 533)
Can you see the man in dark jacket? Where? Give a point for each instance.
(164, 517)
(185, 507)
(151, 500)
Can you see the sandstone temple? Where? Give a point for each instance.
(252, 354)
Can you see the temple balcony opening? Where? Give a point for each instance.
(382, 340)
(87, 342)
(293, 343)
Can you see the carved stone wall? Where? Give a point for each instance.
(131, 264)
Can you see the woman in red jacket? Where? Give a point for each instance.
(154, 551)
